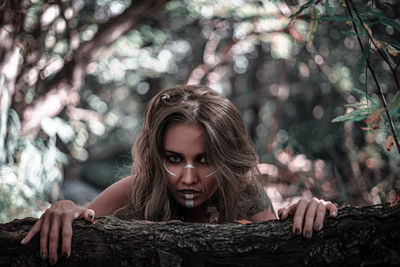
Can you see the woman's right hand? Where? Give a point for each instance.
(57, 218)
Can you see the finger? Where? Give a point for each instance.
(299, 216)
(310, 217)
(35, 229)
(283, 213)
(333, 209)
(66, 238)
(44, 235)
(53, 239)
(319, 218)
(88, 214)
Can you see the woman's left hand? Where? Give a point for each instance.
(309, 215)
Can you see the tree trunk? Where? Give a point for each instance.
(358, 236)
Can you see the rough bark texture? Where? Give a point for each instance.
(358, 236)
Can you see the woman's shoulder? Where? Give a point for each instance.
(259, 200)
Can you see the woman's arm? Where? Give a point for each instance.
(112, 198)
(57, 220)
(262, 216)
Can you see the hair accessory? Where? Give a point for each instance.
(213, 214)
(165, 97)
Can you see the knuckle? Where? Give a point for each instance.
(51, 212)
(63, 215)
(321, 208)
(58, 213)
(315, 199)
(305, 202)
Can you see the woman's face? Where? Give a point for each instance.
(190, 176)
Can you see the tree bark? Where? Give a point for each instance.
(358, 236)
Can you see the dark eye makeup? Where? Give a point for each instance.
(173, 159)
(176, 158)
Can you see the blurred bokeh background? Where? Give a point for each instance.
(76, 76)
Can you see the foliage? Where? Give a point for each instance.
(30, 171)
(377, 35)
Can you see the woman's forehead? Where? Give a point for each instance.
(184, 139)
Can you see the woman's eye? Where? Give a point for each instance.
(174, 159)
(203, 160)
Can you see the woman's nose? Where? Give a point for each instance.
(189, 175)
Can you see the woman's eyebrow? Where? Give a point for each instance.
(172, 152)
(202, 154)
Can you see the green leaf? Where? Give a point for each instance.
(395, 103)
(357, 118)
(355, 115)
(391, 50)
(328, 8)
(355, 105)
(387, 21)
(388, 56)
(306, 5)
(360, 92)
(395, 44)
(336, 18)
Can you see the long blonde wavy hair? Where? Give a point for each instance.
(228, 148)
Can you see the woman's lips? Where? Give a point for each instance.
(189, 194)
(188, 191)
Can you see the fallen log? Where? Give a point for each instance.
(358, 236)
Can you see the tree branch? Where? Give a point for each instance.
(62, 91)
(358, 236)
(377, 48)
(396, 140)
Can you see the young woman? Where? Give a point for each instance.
(193, 161)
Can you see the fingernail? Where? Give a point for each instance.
(334, 214)
(316, 227)
(297, 231)
(43, 256)
(65, 255)
(52, 261)
(23, 241)
(90, 216)
(308, 234)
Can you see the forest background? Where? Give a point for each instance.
(317, 83)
